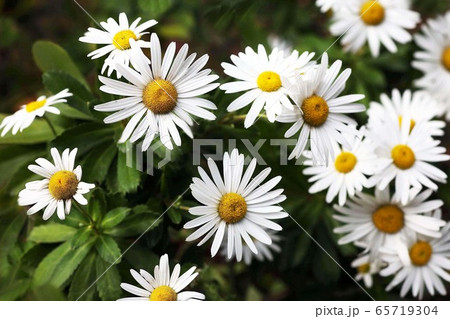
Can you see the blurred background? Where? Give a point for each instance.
(219, 28)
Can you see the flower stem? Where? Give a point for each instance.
(50, 125)
(83, 211)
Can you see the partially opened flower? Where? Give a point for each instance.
(374, 21)
(61, 184)
(235, 204)
(28, 112)
(419, 265)
(116, 40)
(265, 80)
(320, 111)
(383, 221)
(408, 155)
(434, 59)
(408, 104)
(347, 172)
(161, 96)
(367, 266)
(162, 286)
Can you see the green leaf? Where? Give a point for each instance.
(85, 137)
(97, 204)
(9, 232)
(108, 284)
(56, 81)
(114, 217)
(59, 264)
(126, 179)
(155, 7)
(50, 56)
(108, 249)
(48, 265)
(82, 236)
(51, 233)
(15, 290)
(135, 225)
(70, 263)
(37, 132)
(99, 161)
(174, 215)
(72, 113)
(83, 278)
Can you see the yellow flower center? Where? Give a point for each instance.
(122, 39)
(160, 96)
(446, 58)
(315, 110)
(345, 162)
(63, 185)
(411, 125)
(420, 253)
(388, 219)
(372, 13)
(269, 81)
(33, 106)
(403, 156)
(163, 293)
(364, 268)
(232, 208)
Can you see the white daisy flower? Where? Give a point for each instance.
(116, 40)
(434, 59)
(28, 112)
(276, 42)
(265, 80)
(265, 252)
(327, 5)
(161, 96)
(382, 220)
(406, 156)
(407, 104)
(237, 205)
(163, 286)
(374, 21)
(367, 267)
(319, 112)
(420, 264)
(61, 184)
(346, 173)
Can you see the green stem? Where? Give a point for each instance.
(50, 125)
(83, 211)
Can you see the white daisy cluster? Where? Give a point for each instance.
(396, 154)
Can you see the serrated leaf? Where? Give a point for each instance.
(126, 179)
(70, 263)
(49, 56)
(83, 278)
(99, 159)
(108, 249)
(82, 236)
(51, 233)
(108, 284)
(114, 217)
(47, 266)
